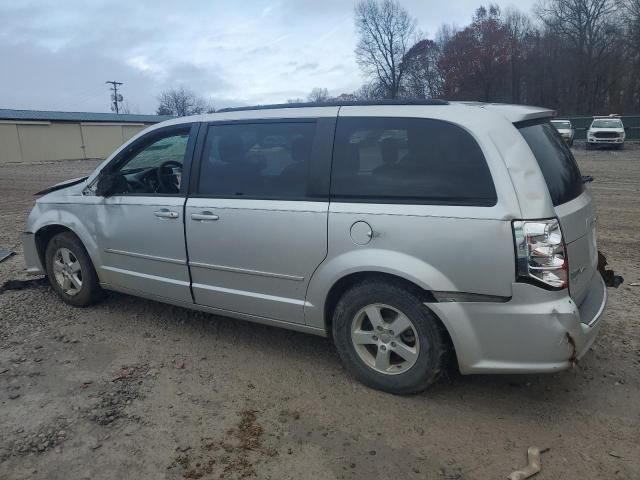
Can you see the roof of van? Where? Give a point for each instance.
(337, 103)
(513, 113)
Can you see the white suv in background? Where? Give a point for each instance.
(606, 131)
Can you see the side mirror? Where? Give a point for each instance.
(111, 183)
(105, 185)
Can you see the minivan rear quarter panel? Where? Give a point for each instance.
(451, 248)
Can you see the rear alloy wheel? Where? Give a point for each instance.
(70, 270)
(387, 338)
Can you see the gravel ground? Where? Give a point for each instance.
(131, 388)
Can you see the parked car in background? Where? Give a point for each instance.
(606, 131)
(565, 129)
(406, 232)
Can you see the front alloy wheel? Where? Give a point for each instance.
(70, 271)
(67, 271)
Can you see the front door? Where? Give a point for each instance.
(140, 228)
(257, 223)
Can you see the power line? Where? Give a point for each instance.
(115, 99)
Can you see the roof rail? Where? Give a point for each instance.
(338, 103)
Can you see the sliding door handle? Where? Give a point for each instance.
(165, 213)
(204, 216)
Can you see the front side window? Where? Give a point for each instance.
(154, 165)
(409, 160)
(257, 160)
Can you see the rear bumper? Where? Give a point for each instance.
(536, 331)
(31, 257)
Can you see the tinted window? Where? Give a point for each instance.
(556, 161)
(409, 160)
(263, 160)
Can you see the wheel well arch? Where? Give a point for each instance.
(346, 282)
(44, 235)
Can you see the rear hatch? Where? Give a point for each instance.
(571, 200)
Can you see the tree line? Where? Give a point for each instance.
(576, 56)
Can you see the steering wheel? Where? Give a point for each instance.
(162, 181)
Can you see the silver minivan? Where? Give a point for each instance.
(410, 233)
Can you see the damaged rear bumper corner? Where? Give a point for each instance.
(31, 257)
(536, 331)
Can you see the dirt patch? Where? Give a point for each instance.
(47, 437)
(117, 395)
(232, 457)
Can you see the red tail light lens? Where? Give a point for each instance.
(541, 254)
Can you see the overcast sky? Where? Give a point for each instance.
(56, 55)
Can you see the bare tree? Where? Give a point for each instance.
(370, 91)
(346, 97)
(386, 31)
(588, 27)
(295, 100)
(318, 95)
(519, 27)
(125, 108)
(631, 13)
(182, 102)
(445, 33)
(422, 77)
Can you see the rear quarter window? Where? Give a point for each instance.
(409, 160)
(559, 167)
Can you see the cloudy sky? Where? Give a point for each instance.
(56, 55)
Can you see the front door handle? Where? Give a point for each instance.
(204, 216)
(165, 213)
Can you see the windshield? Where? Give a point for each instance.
(559, 168)
(559, 124)
(607, 123)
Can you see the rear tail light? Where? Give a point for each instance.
(541, 254)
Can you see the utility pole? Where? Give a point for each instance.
(114, 96)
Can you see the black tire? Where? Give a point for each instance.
(90, 291)
(434, 348)
(589, 146)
